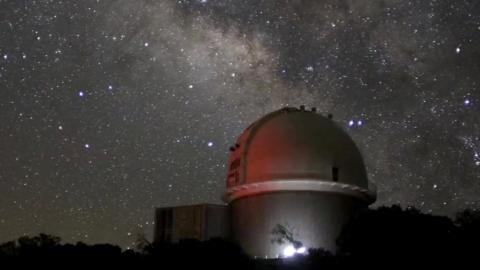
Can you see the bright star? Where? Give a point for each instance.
(210, 144)
(81, 93)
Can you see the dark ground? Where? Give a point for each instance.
(388, 237)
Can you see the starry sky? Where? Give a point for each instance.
(111, 108)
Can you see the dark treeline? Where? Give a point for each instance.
(387, 237)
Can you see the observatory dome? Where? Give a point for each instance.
(301, 146)
(296, 170)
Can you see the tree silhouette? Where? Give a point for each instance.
(393, 234)
(282, 234)
(387, 236)
(468, 234)
(141, 242)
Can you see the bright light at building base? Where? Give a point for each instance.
(290, 251)
(301, 250)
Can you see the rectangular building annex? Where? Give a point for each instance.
(201, 222)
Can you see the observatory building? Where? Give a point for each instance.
(294, 179)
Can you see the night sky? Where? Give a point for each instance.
(111, 108)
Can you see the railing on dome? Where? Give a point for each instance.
(367, 194)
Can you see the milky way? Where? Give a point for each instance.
(111, 108)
